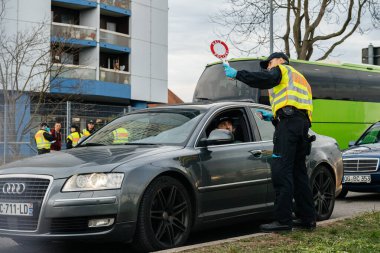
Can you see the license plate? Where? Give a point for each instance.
(357, 179)
(18, 209)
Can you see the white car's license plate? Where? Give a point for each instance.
(19, 209)
(357, 179)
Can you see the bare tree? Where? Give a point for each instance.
(27, 73)
(302, 25)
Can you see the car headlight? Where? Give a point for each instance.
(93, 182)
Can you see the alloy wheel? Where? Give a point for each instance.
(169, 215)
(323, 193)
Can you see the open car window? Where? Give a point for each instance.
(238, 119)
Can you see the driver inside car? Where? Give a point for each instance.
(226, 124)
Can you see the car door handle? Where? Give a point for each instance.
(256, 153)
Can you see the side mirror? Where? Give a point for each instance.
(351, 143)
(218, 136)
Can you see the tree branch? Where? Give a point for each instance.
(344, 26)
(287, 32)
(348, 34)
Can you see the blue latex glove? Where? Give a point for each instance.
(267, 116)
(230, 72)
(47, 129)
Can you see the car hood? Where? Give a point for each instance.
(368, 150)
(82, 160)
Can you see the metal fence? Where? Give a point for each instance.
(19, 123)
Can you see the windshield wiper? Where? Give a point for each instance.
(91, 144)
(203, 99)
(140, 143)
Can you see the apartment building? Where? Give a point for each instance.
(117, 48)
(109, 54)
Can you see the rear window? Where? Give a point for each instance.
(266, 128)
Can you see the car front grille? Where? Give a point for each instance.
(75, 225)
(35, 190)
(360, 164)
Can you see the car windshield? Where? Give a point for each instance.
(170, 127)
(371, 136)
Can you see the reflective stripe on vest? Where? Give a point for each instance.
(74, 137)
(120, 136)
(293, 90)
(41, 142)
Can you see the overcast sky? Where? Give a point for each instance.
(190, 35)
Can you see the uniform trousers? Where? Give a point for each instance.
(289, 173)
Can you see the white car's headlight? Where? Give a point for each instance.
(93, 182)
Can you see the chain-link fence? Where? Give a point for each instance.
(20, 122)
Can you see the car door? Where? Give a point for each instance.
(265, 130)
(234, 175)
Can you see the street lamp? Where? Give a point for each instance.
(271, 26)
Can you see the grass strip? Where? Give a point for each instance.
(359, 234)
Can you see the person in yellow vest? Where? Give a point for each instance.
(73, 138)
(90, 128)
(43, 139)
(291, 101)
(120, 135)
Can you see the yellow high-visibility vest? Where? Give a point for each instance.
(120, 135)
(42, 143)
(86, 132)
(293, 90)
(74, 137)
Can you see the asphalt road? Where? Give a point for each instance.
(353, 204)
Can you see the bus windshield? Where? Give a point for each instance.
(213, 85)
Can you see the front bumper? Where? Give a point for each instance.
(65, 216)
(120, 232)
(373, 186)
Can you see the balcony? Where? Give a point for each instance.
(75, 80)
(114, 76)
(68, 71)
(75, 4)
(116, 8)
(76, 35)
(114, 42)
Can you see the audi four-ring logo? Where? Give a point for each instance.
(14, 188)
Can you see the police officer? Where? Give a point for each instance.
(90, 128)
(291, 100)
(73, 138)
(43, 139)
(120, 135)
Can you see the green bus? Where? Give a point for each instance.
(345, 96)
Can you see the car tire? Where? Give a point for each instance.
(342, 194)
(165, 216)
(323, 188)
